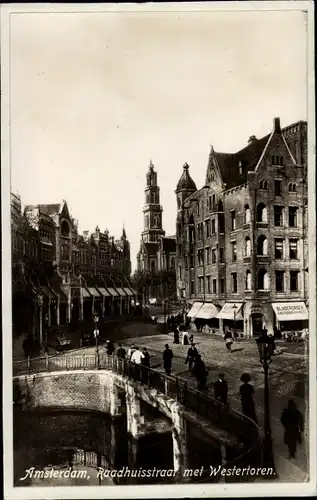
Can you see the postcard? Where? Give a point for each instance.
(158, 255)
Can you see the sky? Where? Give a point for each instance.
(96, 96)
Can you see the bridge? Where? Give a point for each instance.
(152, 402)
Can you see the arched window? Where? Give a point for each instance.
(261, 184)
(154, 221)
(262, 245)
(147, 222)
(65, 230)
(248, 280)
(265, 185)
(247, 214)
(292, 187)
(247, 247)
(261, 213)
(263, 280)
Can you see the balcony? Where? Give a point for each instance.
(247, 259)
(263, 259)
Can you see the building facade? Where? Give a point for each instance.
(60, 276)
(156, 257)
(241, 240)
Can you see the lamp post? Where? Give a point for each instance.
(265, 347)
(165, 325)
(46, 327)
(234, 307)
(96, 335)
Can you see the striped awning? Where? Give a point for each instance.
(113, 292)
(103, 292)
(231, 310)
(93, 292)
(121, 292)
(86, 294)
(128, 291)
(133, 291)
(207, 311)
(194, 309)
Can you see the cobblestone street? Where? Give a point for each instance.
(288, 379)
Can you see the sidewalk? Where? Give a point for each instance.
(288, 379)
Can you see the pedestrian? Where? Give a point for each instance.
(109, 347)
(191, 356)
(185, 338)
(167, 359)
(191, 338)
(146, 358)
(293, 423)
(221, 389)
(200, 372)
(228, 339)
(121, 352)
(176, 334)
(246, 395)
(137, 356)
(131, 351)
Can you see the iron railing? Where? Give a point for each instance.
(221, 416)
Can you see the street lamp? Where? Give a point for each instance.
(96, 335)
(234, 307)
(265, 347)
(165, 304)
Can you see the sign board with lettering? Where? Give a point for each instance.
(290, 311)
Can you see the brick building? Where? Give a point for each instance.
(241, 240)
(60, 276)
(156, 256)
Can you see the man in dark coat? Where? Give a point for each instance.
(246, 395)
(221, 389)
(146, 360)
(109, 347)
(167, 359)
(293, 423)
(121, 352)
(200, 372)
(191, 356)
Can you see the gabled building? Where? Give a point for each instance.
(241, 240)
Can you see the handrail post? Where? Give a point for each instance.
(29, 365)
(46, 361)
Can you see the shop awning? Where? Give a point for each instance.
(194, 309)
(112, 291)
(208, 311)
(231, 310)
(121, 292)
(133, 291)
(86, 294)
(290, 311)
(103, 292)
(128, 291)
(93, 292)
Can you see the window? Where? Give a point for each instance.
(213, 256)
(234, 283)
(261, 213)
(220, 206)
(198, 209)
(209, 203)
(247, 247)
(262, 245)
(292, 187)
(293, 249)
(207, 224)
(200, 256)
(233, 220)
(263, 280)
(200, 284)
(213, 201)
(279, 281)
(208, 255)
(279, 248)
(191, 260)
(278, 160)
(292, 216)
(221, 255)
(208, 284)
(248, 280)
(240, 167)
(278, 188)
(213, 226)
(192, 287)
(234, 250)
(247, 214)
(147, 222)
(294, 275)
(180, 272)
(214, 286)
(222, 285)
(278, 216)
(263, 185)
(221, 223)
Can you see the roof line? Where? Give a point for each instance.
(264, 151)
(288, 149)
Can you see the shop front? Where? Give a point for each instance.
(290, 317)
(231, 317)
(194, 309)
(208, 314)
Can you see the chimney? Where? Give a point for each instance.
(86, 235)
(276, 126)
(252, 139)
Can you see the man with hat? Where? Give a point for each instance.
(221, 389)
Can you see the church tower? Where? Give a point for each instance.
(152, 209)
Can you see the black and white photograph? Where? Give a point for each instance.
(158, 250)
